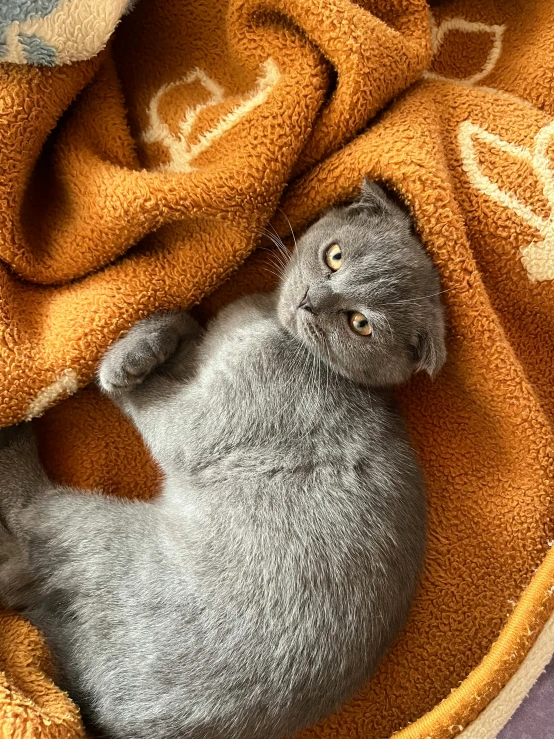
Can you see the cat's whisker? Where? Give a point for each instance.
(275, 262)
(272, 272)
(276, 239)
(276, 258)
(279, 243)
(312, 386)
(279, 259)
(275, 266)
(295, 253)
(328, 373)
(296, 372)
(279, 266)
(303, 406)
(280, 249)
(391, 332)
(290, 226)
(421, 297)
(286, 255)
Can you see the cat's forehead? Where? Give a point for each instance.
(357, 232)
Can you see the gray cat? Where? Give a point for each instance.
(263, 586)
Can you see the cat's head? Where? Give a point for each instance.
(361, 293)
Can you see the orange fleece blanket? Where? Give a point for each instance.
(140, 179)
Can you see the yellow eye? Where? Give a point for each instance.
(359, 323)
(333, 257)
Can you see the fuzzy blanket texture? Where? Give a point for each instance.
(140, 177)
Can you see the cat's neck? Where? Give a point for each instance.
(301, 377)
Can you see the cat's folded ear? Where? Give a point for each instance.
(372, 199)
(429, 350)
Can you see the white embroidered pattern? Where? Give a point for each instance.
(66, 384)
(181, 151)
(439, 32)
(538, 256)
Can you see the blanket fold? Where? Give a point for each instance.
(142, 179)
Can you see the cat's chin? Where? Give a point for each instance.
(303, 331)
(291, 321)
(290, 324)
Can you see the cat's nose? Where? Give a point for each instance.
(305, 303)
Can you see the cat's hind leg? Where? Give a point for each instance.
(21, 480)
(22, 477)
(16, 578)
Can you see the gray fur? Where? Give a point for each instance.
(263, 586)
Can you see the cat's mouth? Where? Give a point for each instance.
(296, 312)
(312, 332)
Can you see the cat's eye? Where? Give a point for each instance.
(359, 323)
(333, 257)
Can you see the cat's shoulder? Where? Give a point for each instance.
(243, 330)
(254, 307)
(249, 316)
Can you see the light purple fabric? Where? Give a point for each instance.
(534, 719)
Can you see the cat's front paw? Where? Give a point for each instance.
(147, 345)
